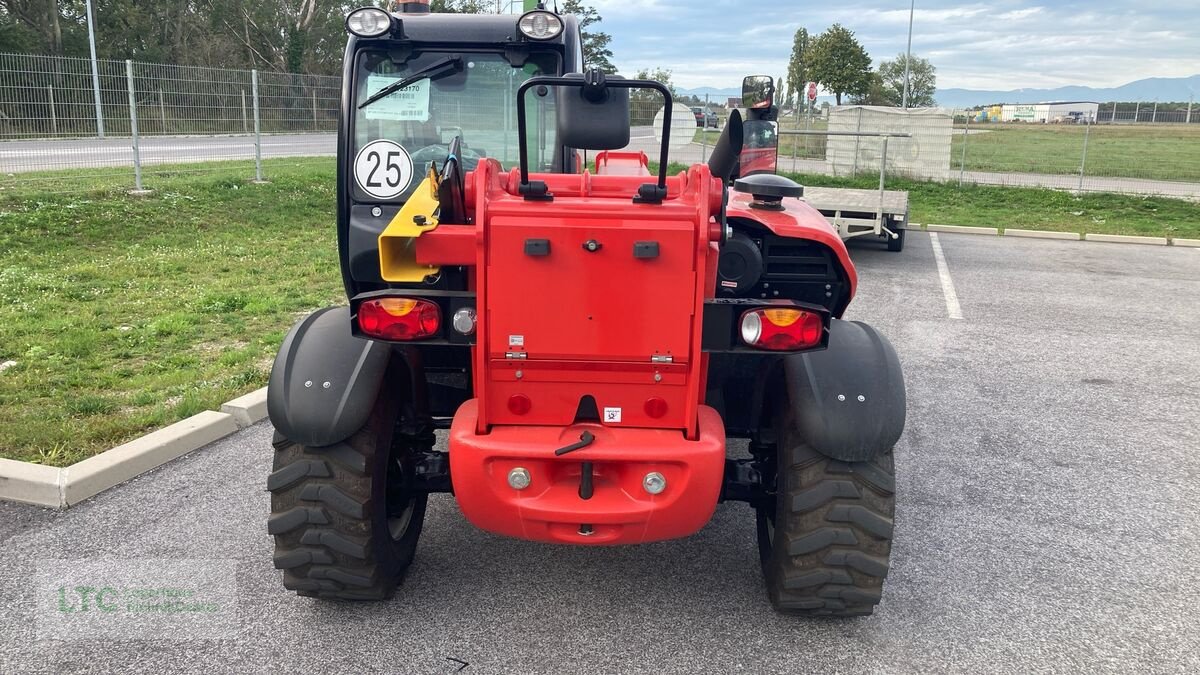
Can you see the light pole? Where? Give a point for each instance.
(95, 72)
(908, 57)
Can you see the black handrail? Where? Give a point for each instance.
(581, 82)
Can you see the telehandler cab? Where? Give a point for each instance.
(588, 337)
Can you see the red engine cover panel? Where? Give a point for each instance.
(604, 305)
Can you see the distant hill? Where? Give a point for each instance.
(715, 95)
(1152, 89)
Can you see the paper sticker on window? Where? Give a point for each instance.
(410, 104)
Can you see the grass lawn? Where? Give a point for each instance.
(1026, 208)
(1159, 152)
(1156, 152)
(1034, 208)
(125, 314)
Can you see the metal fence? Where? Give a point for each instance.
(131, 122)
(60, 122)
(1147, 159)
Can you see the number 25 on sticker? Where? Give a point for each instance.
(383, 169)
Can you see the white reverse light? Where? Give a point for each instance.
(751, 328)
(464, 321)
(540, 25)
(368, 22)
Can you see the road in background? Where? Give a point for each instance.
(48, 155)
(1047, 519)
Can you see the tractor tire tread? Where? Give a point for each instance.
(831, 541)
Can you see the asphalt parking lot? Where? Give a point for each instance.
(1048, 514)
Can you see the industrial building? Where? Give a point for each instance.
(1063, 111)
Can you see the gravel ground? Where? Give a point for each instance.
(1047, 518)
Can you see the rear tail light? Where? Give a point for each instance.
(399, 318)
(782, 329)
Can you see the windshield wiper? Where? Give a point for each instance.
(432, 71)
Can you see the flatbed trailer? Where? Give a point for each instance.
(859, 213)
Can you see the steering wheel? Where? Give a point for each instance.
(438, 152)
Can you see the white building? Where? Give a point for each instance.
(1076, 111)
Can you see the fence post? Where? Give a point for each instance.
(53, 115)
(245, 123)
(962, 167)
(314, 99)
(1154, 118)
(704, 131)
(133, 127)
(1189, 113)
(1083, 162)
(162, 110)
(882, 176)
(95, 72)
(1137, 112)
(857, 140)
(258, 174)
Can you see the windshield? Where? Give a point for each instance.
(476, 100)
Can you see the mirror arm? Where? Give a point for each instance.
(649, 196)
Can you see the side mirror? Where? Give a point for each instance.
(758, 91)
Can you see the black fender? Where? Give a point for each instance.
(325, 381)
(848, 399)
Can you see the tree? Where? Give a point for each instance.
(783, 95)
(596, 53)
(922, 82)
(840, 63)
(40, 18)
(644, 104)
(798, 66)
(875, 94)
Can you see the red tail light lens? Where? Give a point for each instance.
(782, 329)
(399, 318)
(519, 404)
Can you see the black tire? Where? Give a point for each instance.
(345, 523)
(825, 539)
(896, 244)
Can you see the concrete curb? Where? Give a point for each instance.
(1126, 239)
(30, 483)
(962, 229)
(249, 409)
(96, 474)
(61, 488)
(1066, 236)
(1042, 234)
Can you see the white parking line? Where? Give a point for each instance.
(952, 306)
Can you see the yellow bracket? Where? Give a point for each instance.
(398, 242)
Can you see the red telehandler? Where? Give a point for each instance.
(590, 339)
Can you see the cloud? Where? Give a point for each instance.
(1021, 43)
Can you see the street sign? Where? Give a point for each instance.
(812, 91)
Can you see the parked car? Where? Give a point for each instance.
(705, 118)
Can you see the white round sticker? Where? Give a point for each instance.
(383, 169)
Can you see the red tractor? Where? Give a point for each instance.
(589, 338)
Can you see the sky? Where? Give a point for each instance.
(1005, 44)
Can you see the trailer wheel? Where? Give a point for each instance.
(825, 539)
(344, 517)
(896, 244)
